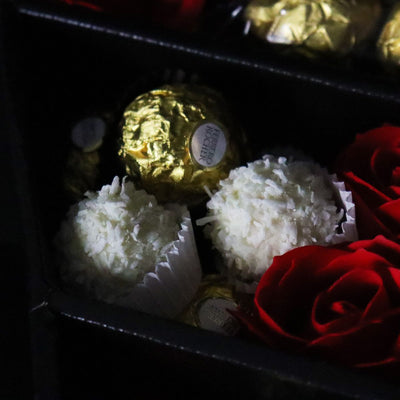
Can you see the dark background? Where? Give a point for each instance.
(56, 69)
(16, 382)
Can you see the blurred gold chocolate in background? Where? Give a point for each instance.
(179, 139)
(209, 309)
(82, 167)
(314, 26)
(389, 40)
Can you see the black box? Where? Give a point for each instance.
(62, 63)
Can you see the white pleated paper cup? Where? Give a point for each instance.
(174, 283)
(347, 229)
(102, 256)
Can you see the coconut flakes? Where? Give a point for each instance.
(268, 208)
(113, 237)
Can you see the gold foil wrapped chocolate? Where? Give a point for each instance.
(389, 40)
(314, 26)
(208, 310)
(177, 140)
(81, 174)
(82, 166)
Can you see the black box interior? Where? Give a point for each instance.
(63, 64)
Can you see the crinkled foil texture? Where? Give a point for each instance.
(389, 40)
(314, 26)
(81, 173)
(156, 133)
(213, 288)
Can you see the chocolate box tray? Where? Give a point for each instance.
(64, 63)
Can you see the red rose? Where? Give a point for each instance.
(342, 303)
(370, 168)
(171, 13)
(179, 14)
(108, 6)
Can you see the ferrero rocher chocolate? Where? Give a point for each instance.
(389, 40)
(313, 26)
(83, 160)
(177, 140)
(81, 173)
(208, 310)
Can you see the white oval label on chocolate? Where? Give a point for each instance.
(213, 316)
(88, 133)
(208, 144)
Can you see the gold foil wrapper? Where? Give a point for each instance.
(389, 40)
(208, 310)
(81, 173)
(82, 168)
(314, 26)
(179, 139)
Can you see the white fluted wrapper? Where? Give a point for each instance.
(168, 290)
(120, 246)
(348, 229)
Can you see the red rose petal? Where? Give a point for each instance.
(330, 271)
(364, 344)
(388, 250)
(306, 263)
(396, 348)
(368, 224)
(369, 193)
(392, 210)
(395, 180)
(386, 367)
(190, 8)
(273, 307)
(343, 307)
(285, 300)
(274, 332)
(378, 305)
(394, 285)
(328, 317)
(383, 163)
(272, 335)
(359, 258)
(359, 294)
(283, 263)
(391, 281)
(253, 324)
(385, 137)
(356, 157)
(390, 215)
(288, 270)
(394, 191)
(367, 200)
(84, 4)
(357, 287)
